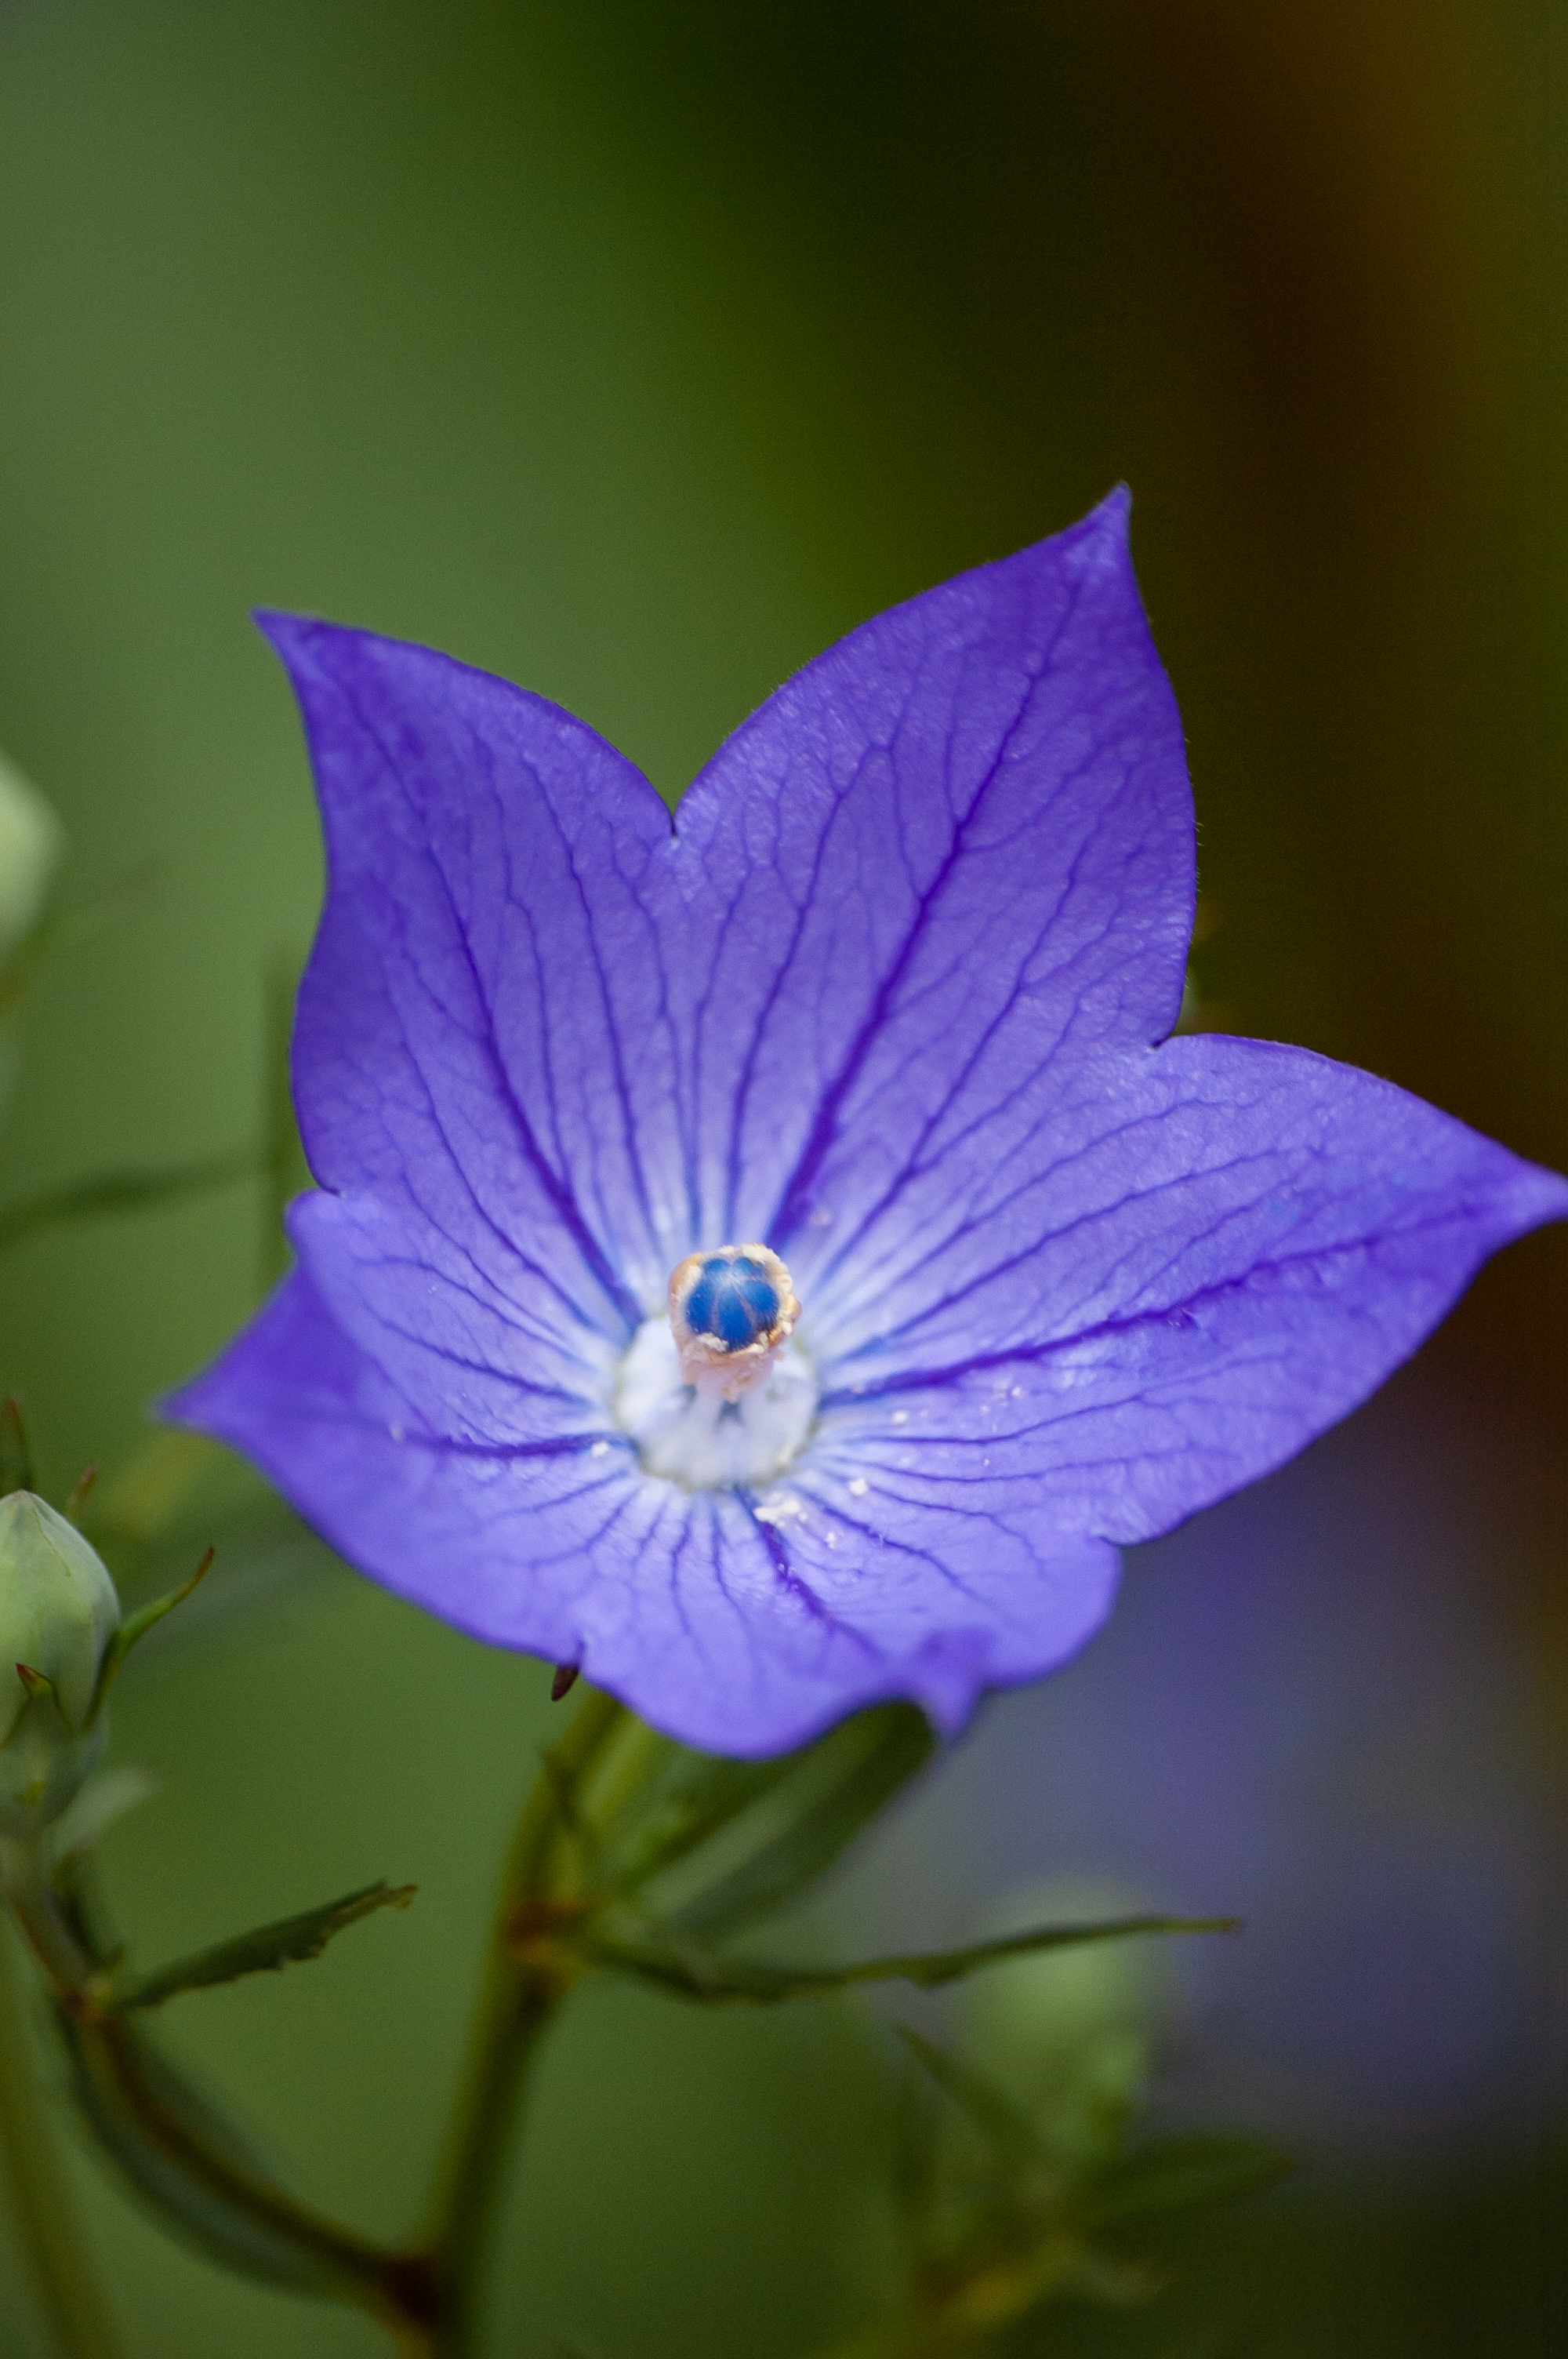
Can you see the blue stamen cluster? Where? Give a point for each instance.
(734, 1300)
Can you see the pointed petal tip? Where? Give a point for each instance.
(279, 627)
(190, 1406)
(1541, 1198)
(1109, 522)
(1098, 542)
(294, 638)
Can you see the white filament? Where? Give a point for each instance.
(697, 1437)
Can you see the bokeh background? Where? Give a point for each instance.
(635, 352)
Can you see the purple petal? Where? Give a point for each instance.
(727, 1629)
(483, 1059)
(887, 1000)
(543, 1051)
(954, 850)
(1193, 1262)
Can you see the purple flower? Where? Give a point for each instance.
(972, 1280)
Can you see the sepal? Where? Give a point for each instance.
(783, 1823)
(135, 1627)
(706, 1843)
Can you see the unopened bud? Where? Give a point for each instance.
(58, 1612)
(30, 846)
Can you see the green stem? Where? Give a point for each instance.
(527, 1973)
(194, 2176)
(41, 2195)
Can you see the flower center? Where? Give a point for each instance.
(716, 1396)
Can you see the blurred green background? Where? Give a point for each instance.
(635, 352)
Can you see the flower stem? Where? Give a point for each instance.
(171, 2153)
(527, 1973)
(42, 2205)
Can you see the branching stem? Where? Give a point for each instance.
(42, 2205)
(529, 1970)
(196, 2175)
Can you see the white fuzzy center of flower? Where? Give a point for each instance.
(692, 1435)
(716, 1396)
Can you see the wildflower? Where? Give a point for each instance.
(991, 1275)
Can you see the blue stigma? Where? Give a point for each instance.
(734, 1300)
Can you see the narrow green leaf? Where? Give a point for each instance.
(121, 1191)
(714, 1981)
(268, 1949)
(1180, 2173)
(16, 1455)
(800, 1822)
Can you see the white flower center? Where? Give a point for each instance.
(691, 1434)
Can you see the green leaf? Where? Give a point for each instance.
(713, 1981)
(268, 1949)
(801, 1821)
(121, 1191)
(1180, 2173)
(15, 1456)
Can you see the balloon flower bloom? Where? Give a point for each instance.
(774, 1259)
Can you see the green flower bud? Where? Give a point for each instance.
(30, 846)
(58, 1612)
